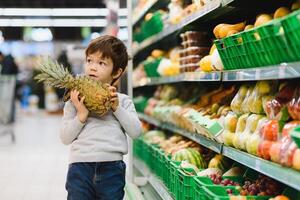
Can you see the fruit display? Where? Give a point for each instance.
(190, 155)
(219, 162)
(263, 186)
(96, 95)
(294, 105)
(154, 136)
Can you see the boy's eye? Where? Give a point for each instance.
(101, 63)
(88, 60)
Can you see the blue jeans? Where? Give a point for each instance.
(96, 181)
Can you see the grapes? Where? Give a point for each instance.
(263, 186)
(229, 191)
(217, 179)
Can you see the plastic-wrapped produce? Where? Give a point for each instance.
(254, 140)
(247, 100)
(241, 125)
(276, 106)
(269, 136)
(262, 88)
(251, 125)
(236, 104)
(230, 123)
(294, 105)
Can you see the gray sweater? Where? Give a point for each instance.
(100, 138)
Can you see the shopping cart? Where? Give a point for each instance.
(7, 92)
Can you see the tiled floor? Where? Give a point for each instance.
(34, 168)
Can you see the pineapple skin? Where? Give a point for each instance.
(97, 95)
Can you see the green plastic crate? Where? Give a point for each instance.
(153, 25)
(291, 26)
(151, 67)
(219, 193)
(166, 171)
(185, 186)
(296, 135)
(174, 170)
(140, 103)
(275, 43)
(200, 182)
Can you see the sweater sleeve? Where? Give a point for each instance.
(71, 126)
(128, 117)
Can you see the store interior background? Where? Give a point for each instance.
(33, 161)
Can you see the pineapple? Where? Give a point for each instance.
(97, 95)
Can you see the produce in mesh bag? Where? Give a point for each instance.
(97, 95)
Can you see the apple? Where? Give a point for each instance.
(271, 130)
(275, 152)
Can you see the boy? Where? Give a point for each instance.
(96, 169)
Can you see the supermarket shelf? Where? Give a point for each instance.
(153, 180)
(283, 71)
(173, 28)
(188, 76)
(287, 176)
(148, 6)
(204, 141)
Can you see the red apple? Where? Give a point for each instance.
(266, 146)
(271, 130)
(275, 152)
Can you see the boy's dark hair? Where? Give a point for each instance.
(110, 47)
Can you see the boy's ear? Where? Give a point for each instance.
(117, 74)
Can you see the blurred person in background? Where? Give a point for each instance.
(9, 67)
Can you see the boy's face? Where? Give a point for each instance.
(99, 68)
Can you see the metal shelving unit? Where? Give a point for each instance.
(213, 145)
(152, 179)
(139, 17)
(282, 71)
(285, 175)
(219, 8)
(208, 9)
(184, 77)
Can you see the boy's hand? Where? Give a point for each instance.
(114, 98)
(82, 111)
